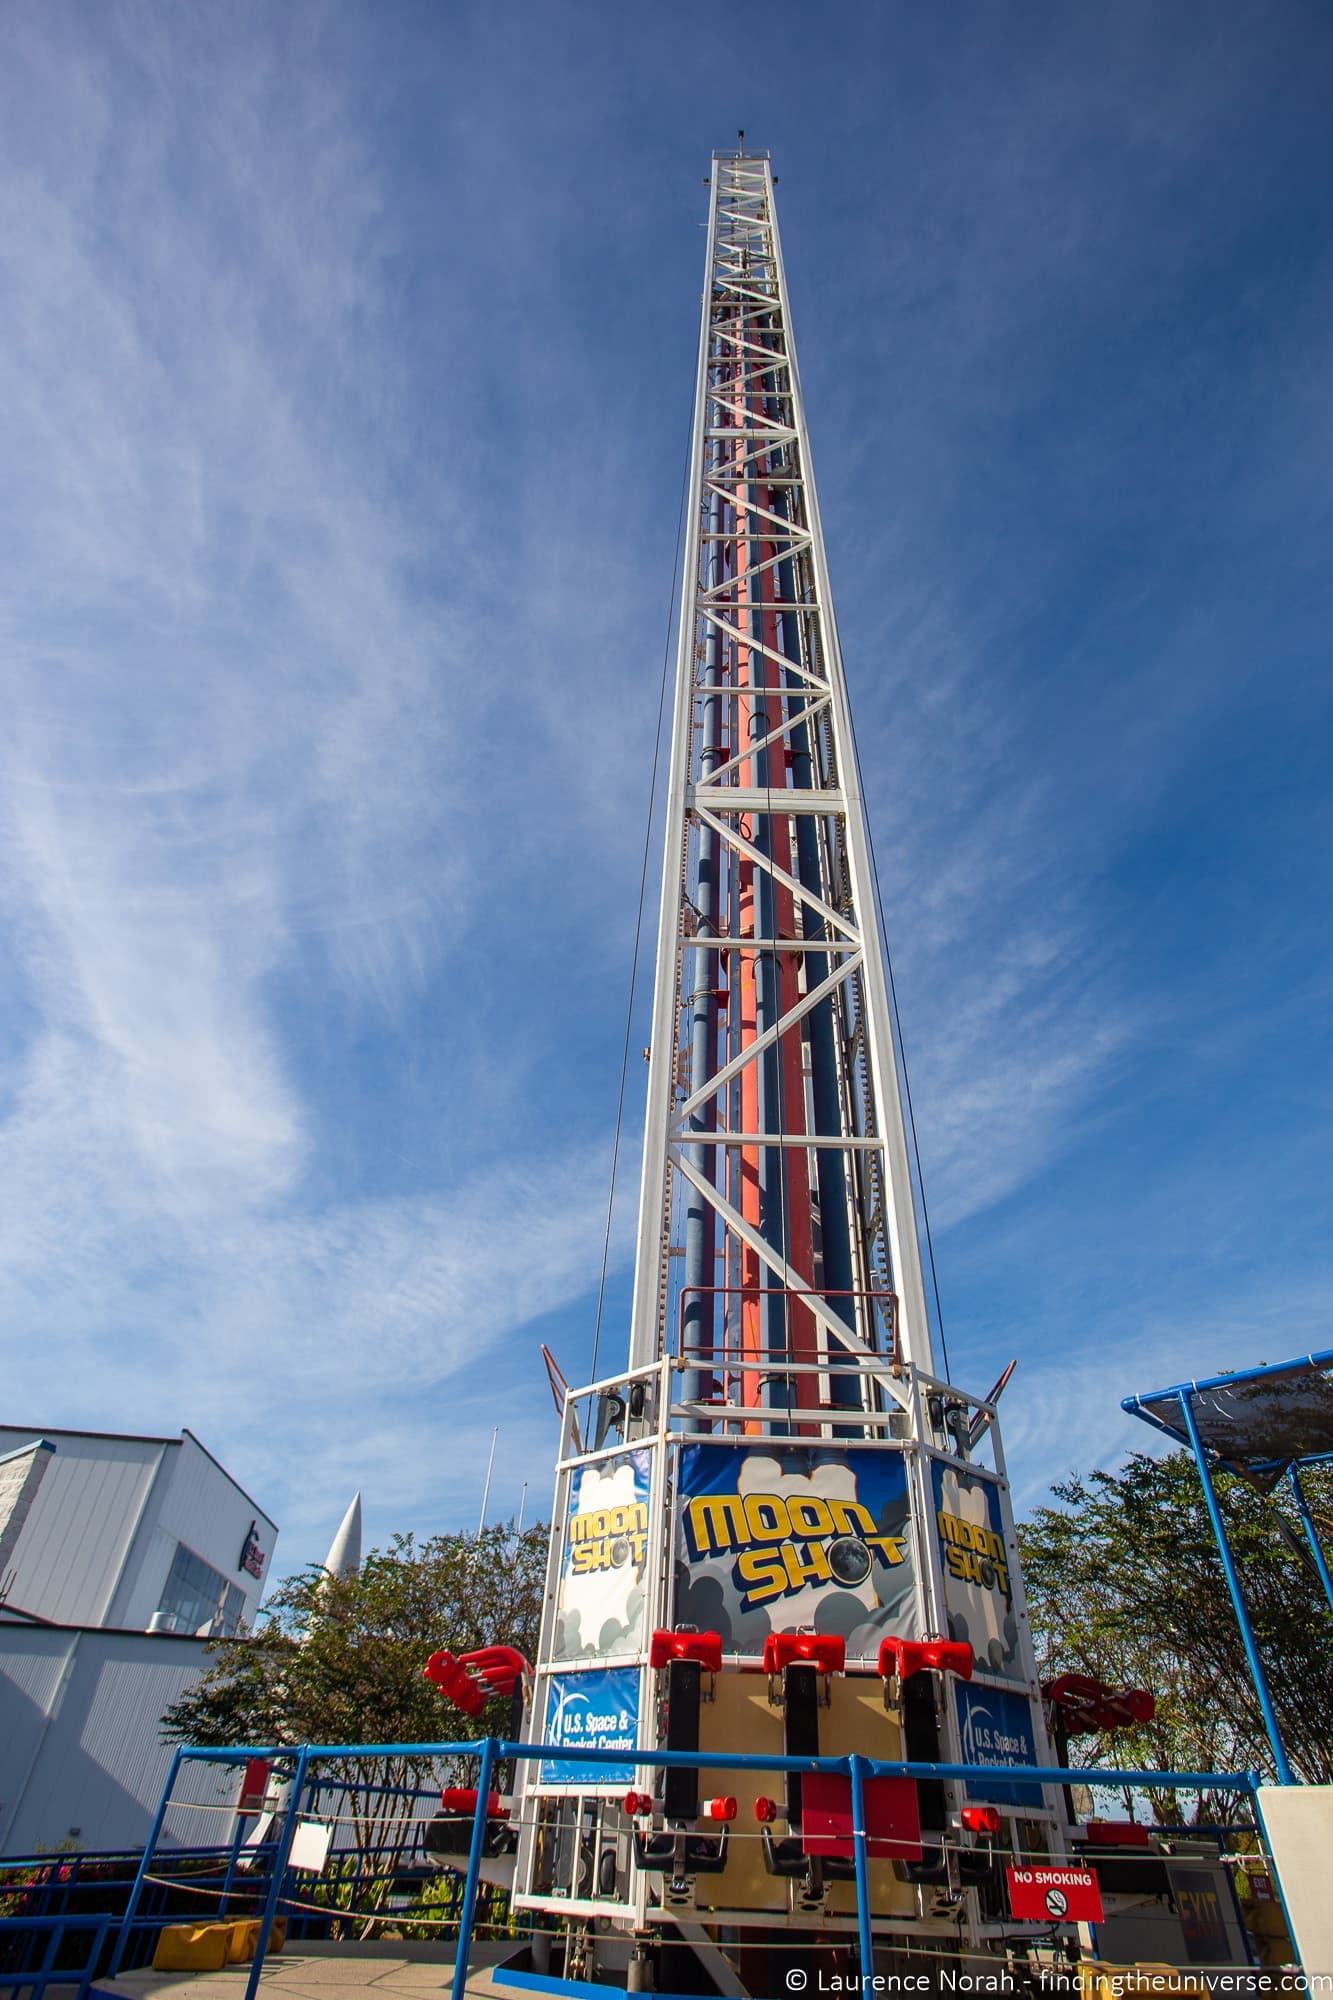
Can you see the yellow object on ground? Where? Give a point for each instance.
(1098, 1981)
(192, 1948)
(244, 1940)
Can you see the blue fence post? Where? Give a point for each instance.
(1311, 1533)
(1257, 1674)
(280, 1858)
(145, 1863)
(229, 1880)
(90, 1969)
(468, 1911)
(859, 1850)
(48, 1961)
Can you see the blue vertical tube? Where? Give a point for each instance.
(772, 1159)
(1257, 1674)
(468, 1912)
(699, 1309)
(229, 1880)
(830, 1165)
(281, 1856)
(154, 1835)
(772, 1166)
(1311, 1533)
(865, 1936)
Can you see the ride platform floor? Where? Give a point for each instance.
(391, 1970)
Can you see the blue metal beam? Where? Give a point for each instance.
(865, 1935)
(701, 1760)
(1257, 1673)
(467, 1915)
(1134, 1404)
(154, 1835)
(1311, 1532)
(281, 1858)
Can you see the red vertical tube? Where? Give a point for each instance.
(802, 1342)
(753, 1276)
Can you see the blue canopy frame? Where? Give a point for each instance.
(1267, 1423)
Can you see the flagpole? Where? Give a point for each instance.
(486, 1489)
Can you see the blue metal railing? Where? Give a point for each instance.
(79, 1888)
(47, 1970)
(195, 1884)
(490, 1751)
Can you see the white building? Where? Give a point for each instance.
(119, 1558)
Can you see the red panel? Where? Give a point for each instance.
(496, 1667)
(254, 1785)
(1055, 1895)
(949, 1656)
(455, 1683)
(1116, 1833)
(825, 1650)
(1126, 1706)
(462, 1799)
(705, 1647)
(1085, 1704)
(903, 1657)
(893, 1817)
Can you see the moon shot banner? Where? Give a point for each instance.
(603, 1563)
(770, 1537)
(977, 1587)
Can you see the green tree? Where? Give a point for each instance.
(339, 1660)
(1124, 1582)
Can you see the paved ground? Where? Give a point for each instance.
(334, 1972)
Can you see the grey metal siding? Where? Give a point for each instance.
(32, 1679)
(68, 1559)
(194, 1502)
(98, 1763)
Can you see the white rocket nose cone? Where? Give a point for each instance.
(344, 1558)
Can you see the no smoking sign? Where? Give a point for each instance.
(1055, 1895)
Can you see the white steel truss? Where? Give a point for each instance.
(780, 1348)
(774, 1111)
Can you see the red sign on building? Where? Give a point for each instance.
(252, 1556)
(1055, 1895)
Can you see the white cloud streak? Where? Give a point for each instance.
(333, 546)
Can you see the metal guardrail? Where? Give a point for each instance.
(40, 1976)
(491, 1750)
(73, 1890)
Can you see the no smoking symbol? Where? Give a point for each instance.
(1057, 1903)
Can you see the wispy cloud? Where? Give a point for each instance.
(342, 404)
(1067, 1417)
(248, 745)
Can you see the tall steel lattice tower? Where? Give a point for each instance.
(773, 1105)
(776, 1529)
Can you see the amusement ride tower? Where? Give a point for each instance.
(777, 1529)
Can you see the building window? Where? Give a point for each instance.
(197, 1598)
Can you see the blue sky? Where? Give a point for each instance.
(344, 384)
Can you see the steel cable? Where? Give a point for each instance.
(638, 920)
